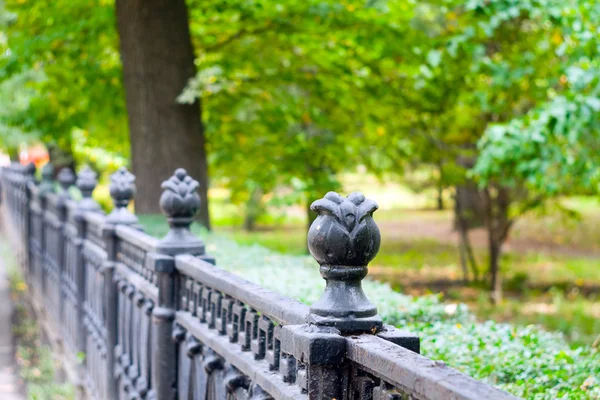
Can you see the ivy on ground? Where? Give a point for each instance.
(525, 361)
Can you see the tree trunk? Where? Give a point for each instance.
(466, 217)
(60, 158)
(471, 256)
(254, 208)
(440, 197)
(495, 277)
(463, 258)
(467, 257)
(249, 223)
(158, 60)
(498, 223)
(440, 187)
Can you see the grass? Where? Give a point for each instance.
(545, 250)
(434, 259)
(525, 360)
(577, 317)
(401, 263)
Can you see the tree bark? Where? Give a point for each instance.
(440, 188)
(60, 158)
(495, 277)
(471, 256)
(466, 250)
(440, 198)
(463, 258)
(498, 224)
(254, 209)
(158, 60)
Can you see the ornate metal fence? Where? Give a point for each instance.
(136, 317)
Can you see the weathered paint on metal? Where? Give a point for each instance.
(156, 319)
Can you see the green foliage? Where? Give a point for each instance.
(526, 361)
(16, 96)
(290, 86)
(553, 149)
(296, 92)
(63, 57)
(572, 314)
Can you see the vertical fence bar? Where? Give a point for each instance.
(66, 179)
(80, 280)
(122, 190)
(40, 280)
(23, 177)
(29, 180)
(86, 183)
(46, 186)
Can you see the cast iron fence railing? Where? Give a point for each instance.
(136, 317)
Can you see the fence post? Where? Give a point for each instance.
(46, 186)
(179, 202)
(343, 239)
(29, 178)
(122, 190)
(86, 183)
(66, 179)
(47, 183)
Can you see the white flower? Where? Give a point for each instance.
(450, 309)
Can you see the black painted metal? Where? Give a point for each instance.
(344, 239)
(156, 319)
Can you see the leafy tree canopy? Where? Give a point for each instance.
(553, 149)
(63, 55)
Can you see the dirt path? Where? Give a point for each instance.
(426, 225)
(8, 377)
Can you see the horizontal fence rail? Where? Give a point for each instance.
(136, 317)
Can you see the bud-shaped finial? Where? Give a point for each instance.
(47, 183)
(122, 190)
(66, 178)
(30, 169)
(86, 183)
(344, 239)
(180, 202)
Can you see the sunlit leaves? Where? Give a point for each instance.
(295, 83)
(554, 148)
(74, 45)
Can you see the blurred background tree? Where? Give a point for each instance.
(494, 101)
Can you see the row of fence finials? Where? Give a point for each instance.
(56, 225)
(112, 293)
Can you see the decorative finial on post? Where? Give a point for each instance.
(86, 183)
(47, 183)
(344, 239)
(180, 202)
(30, 169)
(122, 190)
(66, 178)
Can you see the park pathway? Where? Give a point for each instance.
(8, 378)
